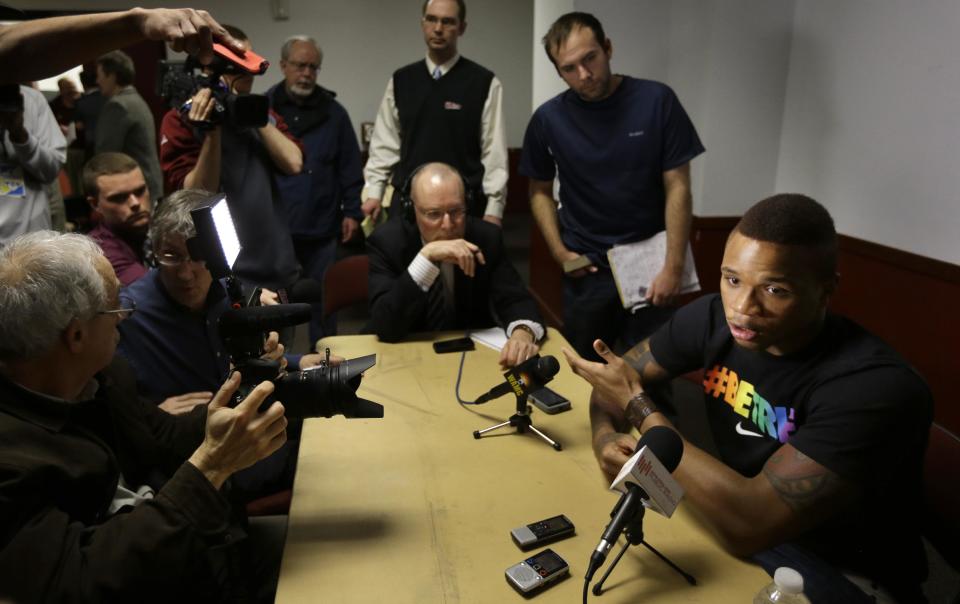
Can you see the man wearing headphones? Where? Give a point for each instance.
(413, 284)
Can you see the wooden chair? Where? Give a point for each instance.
(345, 283)
(271, 505)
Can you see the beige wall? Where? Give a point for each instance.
(365, 40)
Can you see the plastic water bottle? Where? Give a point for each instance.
(787, 588)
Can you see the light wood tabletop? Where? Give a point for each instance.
(412, 508)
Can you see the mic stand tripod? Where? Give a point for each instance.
(522, 422)
(634, 535)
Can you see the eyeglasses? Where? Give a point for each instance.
(123, 313)
(437, 215)
(173, 259)
(448, 22)
(298, 66)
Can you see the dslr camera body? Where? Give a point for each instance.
(322, 391)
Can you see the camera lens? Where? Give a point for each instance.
(326, 391)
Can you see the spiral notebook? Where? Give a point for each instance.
(635, 265)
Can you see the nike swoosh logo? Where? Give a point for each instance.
(743, 431)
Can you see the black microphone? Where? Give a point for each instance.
(667, 446)
(305, 290)
(242, 321)
(526, 377)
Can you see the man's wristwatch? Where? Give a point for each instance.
(527, 329)
(639, 408)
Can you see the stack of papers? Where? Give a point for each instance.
(494, 337)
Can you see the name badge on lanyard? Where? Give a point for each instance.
(11, 181)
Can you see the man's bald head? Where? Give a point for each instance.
(438, 199)
(433, 176)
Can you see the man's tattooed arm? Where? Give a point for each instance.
(804, 484)
(641, 360)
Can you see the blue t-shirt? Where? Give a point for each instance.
(611, 156)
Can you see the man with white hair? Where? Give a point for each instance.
(322, 202)
(84, 512)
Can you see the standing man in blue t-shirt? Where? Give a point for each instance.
(622, 148)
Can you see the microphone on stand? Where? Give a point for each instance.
(530, 375)
(645, 480)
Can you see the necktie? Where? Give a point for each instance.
(437, 316)
(437, 73)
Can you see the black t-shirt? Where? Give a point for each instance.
(847, 400)
(610, 156)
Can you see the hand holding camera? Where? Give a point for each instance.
(237, 437)
(11, 113)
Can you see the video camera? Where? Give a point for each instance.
(322, 391)
(11, 101)
(180, 81)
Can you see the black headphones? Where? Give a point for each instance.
(404, 196)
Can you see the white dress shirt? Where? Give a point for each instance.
(424, 273)
(385, 144)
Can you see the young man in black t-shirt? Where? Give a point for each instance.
(820, 426)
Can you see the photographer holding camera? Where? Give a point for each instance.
(32, 151)
(85, 511)
(202, 147)
(172, 343)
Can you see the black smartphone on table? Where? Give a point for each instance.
(455, 345)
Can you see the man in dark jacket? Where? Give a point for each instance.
(322, 202)
(86, 510)
(125, 124)
(413, 282)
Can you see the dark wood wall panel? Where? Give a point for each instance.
(518, 197)
(906, 299)
(910, 302)
(546, 279)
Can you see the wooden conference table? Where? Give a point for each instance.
(412, 508)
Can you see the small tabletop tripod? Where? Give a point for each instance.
(522, 422)
(634, 535)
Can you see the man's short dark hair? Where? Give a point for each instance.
(118, 64)
(564, 26)
(794, 219)
(105, 164)
(461, 9)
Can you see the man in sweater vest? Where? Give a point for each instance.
(447, 109)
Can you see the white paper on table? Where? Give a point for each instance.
(493, 337)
